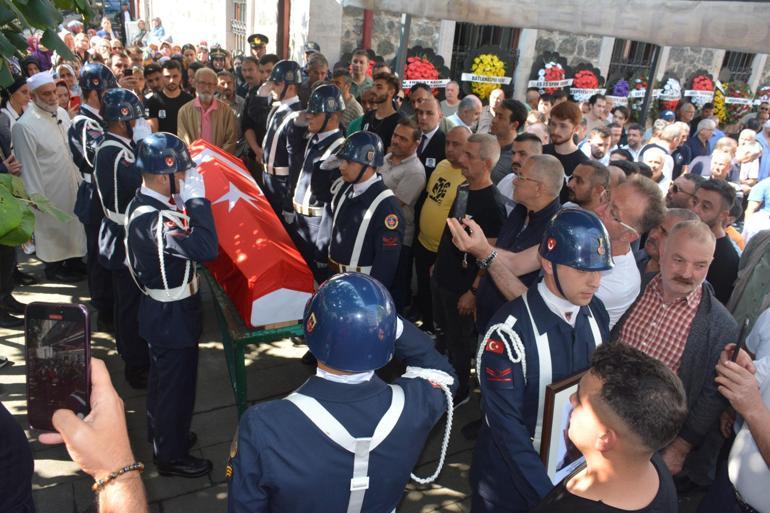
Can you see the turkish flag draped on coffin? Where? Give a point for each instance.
(258, 266)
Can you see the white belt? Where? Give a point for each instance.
(115, 217)
(344, 268)
(308, 211)
(175, 294)
(278, 171)
(87, 178)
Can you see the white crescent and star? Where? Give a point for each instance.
(233, 196)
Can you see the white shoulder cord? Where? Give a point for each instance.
(443, 380)
(88, 124)
(512, 344)
(130, 158)
(176, 218)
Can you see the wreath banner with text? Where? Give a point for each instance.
(486, 69)
(550, 73)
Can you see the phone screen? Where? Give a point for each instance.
(74, 102)
(460, 206)
(58, 355)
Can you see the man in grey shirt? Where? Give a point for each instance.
(404, 174)
(342, 79)
(509, 117)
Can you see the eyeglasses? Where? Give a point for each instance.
(615, 217)
(519, 177)
(675, 189)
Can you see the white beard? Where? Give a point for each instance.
(53, 109)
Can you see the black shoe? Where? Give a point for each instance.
(9, 321)
(13, 305)
(309, 359)
(22, 278)
(186, 466)
(63, 276)
(136, 377)
(75, 266)
(192, 439)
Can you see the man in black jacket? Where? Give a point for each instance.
(433, 141)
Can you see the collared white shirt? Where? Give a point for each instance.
(158, 196)
(558, 305)
(91, 110)
(121, 138)
(361, 187)
(348, 379)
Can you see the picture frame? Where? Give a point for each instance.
(559, 455)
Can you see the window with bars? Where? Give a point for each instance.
(238, 25)
(469, 37)
(629, 57)
(739, 66)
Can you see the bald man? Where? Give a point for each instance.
(207, 117)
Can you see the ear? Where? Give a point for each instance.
(606, 441)
(547, 265)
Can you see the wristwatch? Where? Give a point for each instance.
(484, 263)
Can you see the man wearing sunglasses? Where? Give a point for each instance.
(681, 192)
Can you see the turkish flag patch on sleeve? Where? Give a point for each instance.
(495, 346)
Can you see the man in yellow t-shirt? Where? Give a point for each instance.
(441, 190)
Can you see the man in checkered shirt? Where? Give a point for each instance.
(678, 320)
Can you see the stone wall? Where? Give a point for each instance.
(386, 32)
(765, 76)
(575, 48)
(684, 61)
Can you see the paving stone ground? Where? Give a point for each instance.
(273, 371)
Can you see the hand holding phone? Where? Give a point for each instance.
(58, 346)
(741, 342)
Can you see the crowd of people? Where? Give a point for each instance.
(538, 239)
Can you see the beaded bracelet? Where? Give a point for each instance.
(99, 485)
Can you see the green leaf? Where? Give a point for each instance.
(44, 205)
(17, 187)
(40, 14)
(17, 39)
(10, 211)
(6, 47)
(52, 41)
(22, 233)
(86, 8)
(6, 14)
(6, 78)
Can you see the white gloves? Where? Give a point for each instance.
(142, 129)
(192, 185)
(265, 90)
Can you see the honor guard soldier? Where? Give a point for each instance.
(367, 226)
(163, 245)
(217, 59)
(283, 142)
(85, 134)
(345, 440)
(116, 180)
(313, 190)
(542, 337)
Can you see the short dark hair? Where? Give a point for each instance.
(655, 210)
(736, 211)
(623, 109)
(421, 85)
(624, 154)
(695, 179)
(595, 98)
(635, 126)
(391, 80)
(613, 125)
(152, 68)
(359, 51)
(558, 95)
(627, 166)
(528, 137)
(269, 58)
(600, 175)
(251, 59)
(707, 105)
(172, 64)
(647, 396)
(411, 124)
(602, 131)
(342, 72)
(644, 169)
(517, 109)
(721, 187)
(535, 89)
(225, 73)
(546, 97)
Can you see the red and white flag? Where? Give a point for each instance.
(258, 265)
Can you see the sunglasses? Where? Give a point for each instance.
(675, 189)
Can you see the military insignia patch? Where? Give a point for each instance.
(124, 111)
(169, 161)
(331, 103)
(95, 81)
(550, 244)
(311, 323)
(495, 346)
(289, 76)
(391, 221)
(600, 250)
(370, 155)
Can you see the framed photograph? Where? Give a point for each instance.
(559, 454)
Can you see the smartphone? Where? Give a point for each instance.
(741, 343)
(58, 344)
(460, 206)
(74, 102)
(128, 72)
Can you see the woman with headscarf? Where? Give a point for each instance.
(40, 52)
(157, 31)
(141, 36)
(29, 66)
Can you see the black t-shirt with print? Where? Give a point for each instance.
(166, 110)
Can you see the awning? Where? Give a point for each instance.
(731, 25)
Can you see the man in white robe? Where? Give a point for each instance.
(40, 143)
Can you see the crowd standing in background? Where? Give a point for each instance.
(528, 241)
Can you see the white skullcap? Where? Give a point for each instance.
(39, 79)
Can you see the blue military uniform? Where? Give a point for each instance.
(271, 467)
(528, 346)
(85, 135)
(312, 193)
(117, 180)
(163, 246)
(367, 231)
(282, 149)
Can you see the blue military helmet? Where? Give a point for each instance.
(350, 323)
(95, 76)
(162, 153)
(325, 98)
(286, 71)
(122, 105)
(577, 238)
(364, 148)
